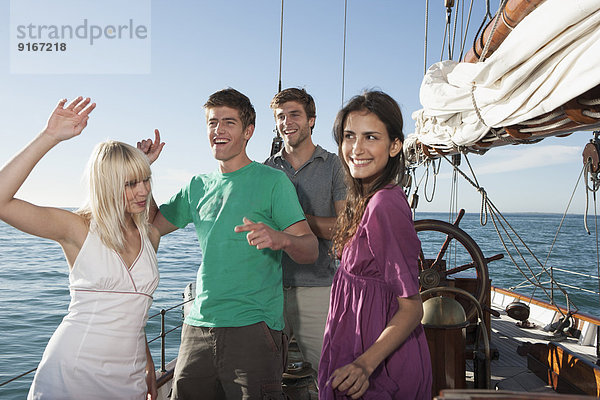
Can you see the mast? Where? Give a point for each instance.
(277, 140)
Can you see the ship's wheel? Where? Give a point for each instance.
(447, 250)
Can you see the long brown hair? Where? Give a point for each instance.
(357, 197)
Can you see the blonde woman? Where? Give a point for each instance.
(99, 350)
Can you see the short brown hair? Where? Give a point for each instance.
(232, 98)
(297, 95)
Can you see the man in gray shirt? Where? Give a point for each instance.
(319, 180)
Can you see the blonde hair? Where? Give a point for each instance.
(110, 166)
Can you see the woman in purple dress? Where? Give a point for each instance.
(374, 345)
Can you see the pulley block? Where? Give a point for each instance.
(591, 153)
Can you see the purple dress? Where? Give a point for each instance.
(378, 265)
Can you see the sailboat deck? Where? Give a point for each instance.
(509, 371)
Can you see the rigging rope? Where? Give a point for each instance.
(454, 191)
(559, 228)
(444, 41)
(501, 224)
(481, 29)
(487, 44)
(435, 173)
(464, 37)
(18, 377)
(487, 9)
(451, 50)
(597, 248)
(591, 176)
(426, 31)
(564, 215)
(277, 139)
(280, 47)
(454, 207)
(588, 189)
(344, 51)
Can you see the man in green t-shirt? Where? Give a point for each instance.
(245, 214)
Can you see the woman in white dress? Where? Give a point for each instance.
(99, 350)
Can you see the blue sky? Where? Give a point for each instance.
(199, 47)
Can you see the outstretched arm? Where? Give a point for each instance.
(52, 223)
(354, 377)
(296, 240)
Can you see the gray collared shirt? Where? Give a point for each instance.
(319, 184)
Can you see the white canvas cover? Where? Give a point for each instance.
(552, 56)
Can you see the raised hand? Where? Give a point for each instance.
(151, 149)
(67, 122)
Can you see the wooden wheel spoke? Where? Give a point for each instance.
(421, 257)
(444, 248)
(459, 269)
(435, 272)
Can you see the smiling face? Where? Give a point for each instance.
(293, 123)
(228, 137)
(366, 146)
(136, 195)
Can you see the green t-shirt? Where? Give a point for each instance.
(237, 285)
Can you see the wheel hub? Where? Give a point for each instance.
(429, 278)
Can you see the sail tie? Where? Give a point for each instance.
(537, 121)
(595, 115)
(506, 24)
(589, 102)
(475, 104)
(547, 127)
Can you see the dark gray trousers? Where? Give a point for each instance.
(229, 363)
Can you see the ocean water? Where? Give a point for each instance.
(34, 292)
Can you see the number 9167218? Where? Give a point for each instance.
(41, 46)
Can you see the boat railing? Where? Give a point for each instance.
(163, 333)
(162, 336)
(526, 283)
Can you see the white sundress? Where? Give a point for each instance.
(99, 349)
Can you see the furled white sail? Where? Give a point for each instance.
(551, 57)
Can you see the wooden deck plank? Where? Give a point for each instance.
(509, 372)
